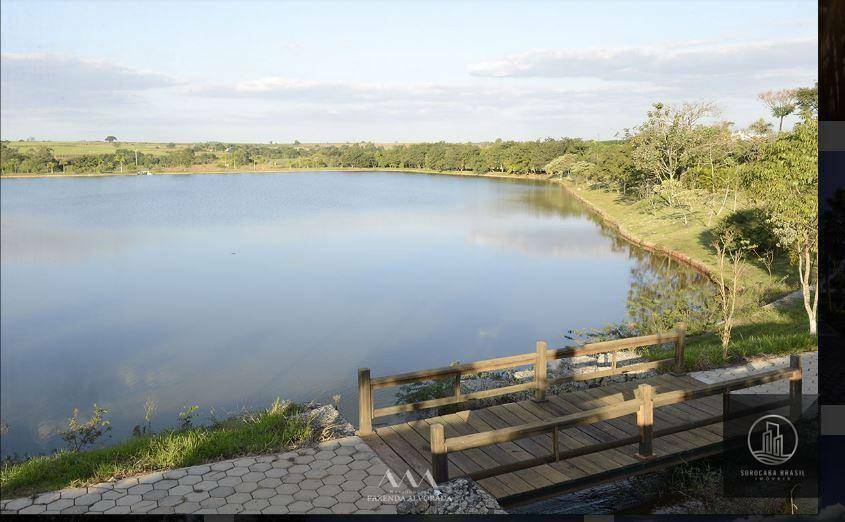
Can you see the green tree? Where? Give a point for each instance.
(111, 139)
(781, 103)
(561, 165)
(787, 186)
(807, 99)
(665, 145)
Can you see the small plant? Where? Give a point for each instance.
(150, 407)
(767, 259)
(82, 434)
(187, 416)
(729, 257)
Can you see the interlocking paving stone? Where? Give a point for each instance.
(306, 494)
(300, 506)
(270, 482)
(156, 494)
(213, 502)
(102, 505)
(175, 474)
(237, 471)
(62, 504)
(344, 508)
(222, 466)
(165, 484)
(264, 493)
(171, 500)
(128, 500)
(256, 505)
(87, 499)
(353, 485)
(47, 498)
(293, 478)
(281, 500)
(287, 489)
(140, 489)
(205, 485)
(356, 474)
(261, 466)
(126, 483)
(197, 496)
(324, 501)
(246, 487)
(334, 477)
(180, 490)
(187, 507)
(348, 496)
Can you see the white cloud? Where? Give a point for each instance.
(40, 81)
(584, 93)
(686, 60)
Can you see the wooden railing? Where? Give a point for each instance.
(642, 405)
(539, 359)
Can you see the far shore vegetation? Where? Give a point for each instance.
(740, 205)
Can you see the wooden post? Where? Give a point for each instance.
(795, 385)
(540, 380)
(681, 330)
(439, 457)
(613, 363)
(645, 420)
(726, 404)
(456, 385)
(555, 448)
(365, 402)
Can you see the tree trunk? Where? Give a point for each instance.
(811, 303)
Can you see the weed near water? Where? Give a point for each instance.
(275, 429)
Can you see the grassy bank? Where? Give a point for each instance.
(758, 331)
(273, 430)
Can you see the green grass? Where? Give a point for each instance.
(666, 229)
(272, 430)
(766, 332)
(70, 149)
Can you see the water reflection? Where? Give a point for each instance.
(228, 291)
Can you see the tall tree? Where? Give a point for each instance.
(788, 189)
(666, 143)
(782, 103)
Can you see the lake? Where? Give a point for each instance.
(230, 290)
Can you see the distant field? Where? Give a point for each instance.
(69, 149)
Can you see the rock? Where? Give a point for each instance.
(523, 375)
(327, 422)
(459, 496)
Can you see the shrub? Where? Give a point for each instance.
(750, 225)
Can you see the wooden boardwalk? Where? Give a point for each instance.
(406, 446)
(555, 443)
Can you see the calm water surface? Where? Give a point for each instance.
(230, 290)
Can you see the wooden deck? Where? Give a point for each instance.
(406, 446)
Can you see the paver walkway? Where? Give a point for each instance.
(809, 384)
(338, 476)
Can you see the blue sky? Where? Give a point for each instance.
(387, 71)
